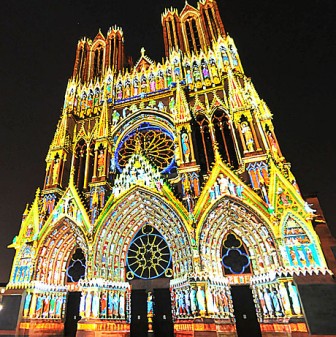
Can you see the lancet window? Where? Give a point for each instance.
(98, 59)
(82, 55)
(224, 137)
(210, 24)
(192, 35)
(83, 164)
(204, 143)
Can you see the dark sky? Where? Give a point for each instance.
(288, 48)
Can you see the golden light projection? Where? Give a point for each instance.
(165, 190)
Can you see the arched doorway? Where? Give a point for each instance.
(238, 243)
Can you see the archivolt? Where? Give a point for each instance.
(55, 251)
(132, 122)
(136, 209)
(229, 215)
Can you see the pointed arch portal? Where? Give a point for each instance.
(117, 234)
(231, 217)
(56, 250)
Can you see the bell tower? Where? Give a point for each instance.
(95, 57)
(193, 29)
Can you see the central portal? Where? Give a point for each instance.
(151, 308)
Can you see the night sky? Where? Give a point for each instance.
(288, 48)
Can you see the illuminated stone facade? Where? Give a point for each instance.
(165, 175)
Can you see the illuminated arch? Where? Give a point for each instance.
(132, 122)
(230, 215)
(137, 208)
(56, 249)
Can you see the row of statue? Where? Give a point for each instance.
(103, 304)
(224, 185)
(275, 300)
(44, 305)
(22, 273)
(193, 73)
(194, 301)
(279, 300)
(302, 256)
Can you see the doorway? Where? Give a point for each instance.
(72, 314)
(247, 324)
(163, 320)
(139, 323)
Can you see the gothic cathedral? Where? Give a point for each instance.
(168, 207)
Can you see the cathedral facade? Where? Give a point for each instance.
(168, 207)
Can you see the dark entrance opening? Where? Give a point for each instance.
(139, 323)
(163, 320)
(245, 312)
(72, 314)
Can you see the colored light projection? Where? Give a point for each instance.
(45, 303)
(104, 300)
(22, 271)
(165, 172)
(148, 256)
(132, 213)
(300, 250)
(278, 299)
(229, 216)
(156, 144)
